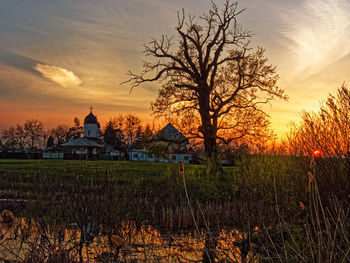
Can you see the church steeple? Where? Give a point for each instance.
(91, 126)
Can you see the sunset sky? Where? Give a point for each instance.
(59, 57)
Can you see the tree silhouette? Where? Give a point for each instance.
(131, 127)
(213, 78)
(113, 136)
(14, 138)
(33, 130)
(75, 131)
(60, 134)
(50, 142)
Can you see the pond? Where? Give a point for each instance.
(26, 240)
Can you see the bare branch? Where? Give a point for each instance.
(212, 76)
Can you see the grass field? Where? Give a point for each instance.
(261, 198)
(28, 177)
(54, 168)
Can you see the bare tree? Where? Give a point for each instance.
(33, 130)
(60, 134)
(130, 126)
(213, 77)
(14, 137)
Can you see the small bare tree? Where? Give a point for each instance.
(60, 134)
(29, 135)
(33, 130)
(14, 137)
(212, 77)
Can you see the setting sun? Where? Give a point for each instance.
(316, 153)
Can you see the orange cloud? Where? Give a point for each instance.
(62, 76)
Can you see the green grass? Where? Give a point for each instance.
(32, 175)
(54, 168)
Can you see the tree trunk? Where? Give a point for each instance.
(213, 162)
(209, 131)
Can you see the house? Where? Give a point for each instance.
(140, 155)
(110, 154)
(52, 152)
(168, 145)
(88, 147)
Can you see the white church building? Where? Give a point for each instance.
(88, 147)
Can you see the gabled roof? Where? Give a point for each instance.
(82, 142)
(169, 133)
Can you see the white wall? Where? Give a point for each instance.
(53, 155)
(91, 130)
(141, 155)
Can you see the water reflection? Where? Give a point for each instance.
(23, 240)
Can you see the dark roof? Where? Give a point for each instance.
(82, 142)
(169, 133)
(90, 119)
(52, 149)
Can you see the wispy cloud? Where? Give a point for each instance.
(17, 60)
(62, 76)
(319, 31)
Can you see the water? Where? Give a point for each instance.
(25, 239)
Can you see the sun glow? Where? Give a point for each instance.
(316, 153)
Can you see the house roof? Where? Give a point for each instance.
(82, 142)
(52, 149)
(169, 133)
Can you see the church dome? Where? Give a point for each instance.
(90, 119)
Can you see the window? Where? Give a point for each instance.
(88, 133)
(174, 157)
(186, 158)
(136, 156)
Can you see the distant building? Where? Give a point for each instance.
(52, 153)
(168, 145)
(110, 154)
(88, 147)
(141, 155)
